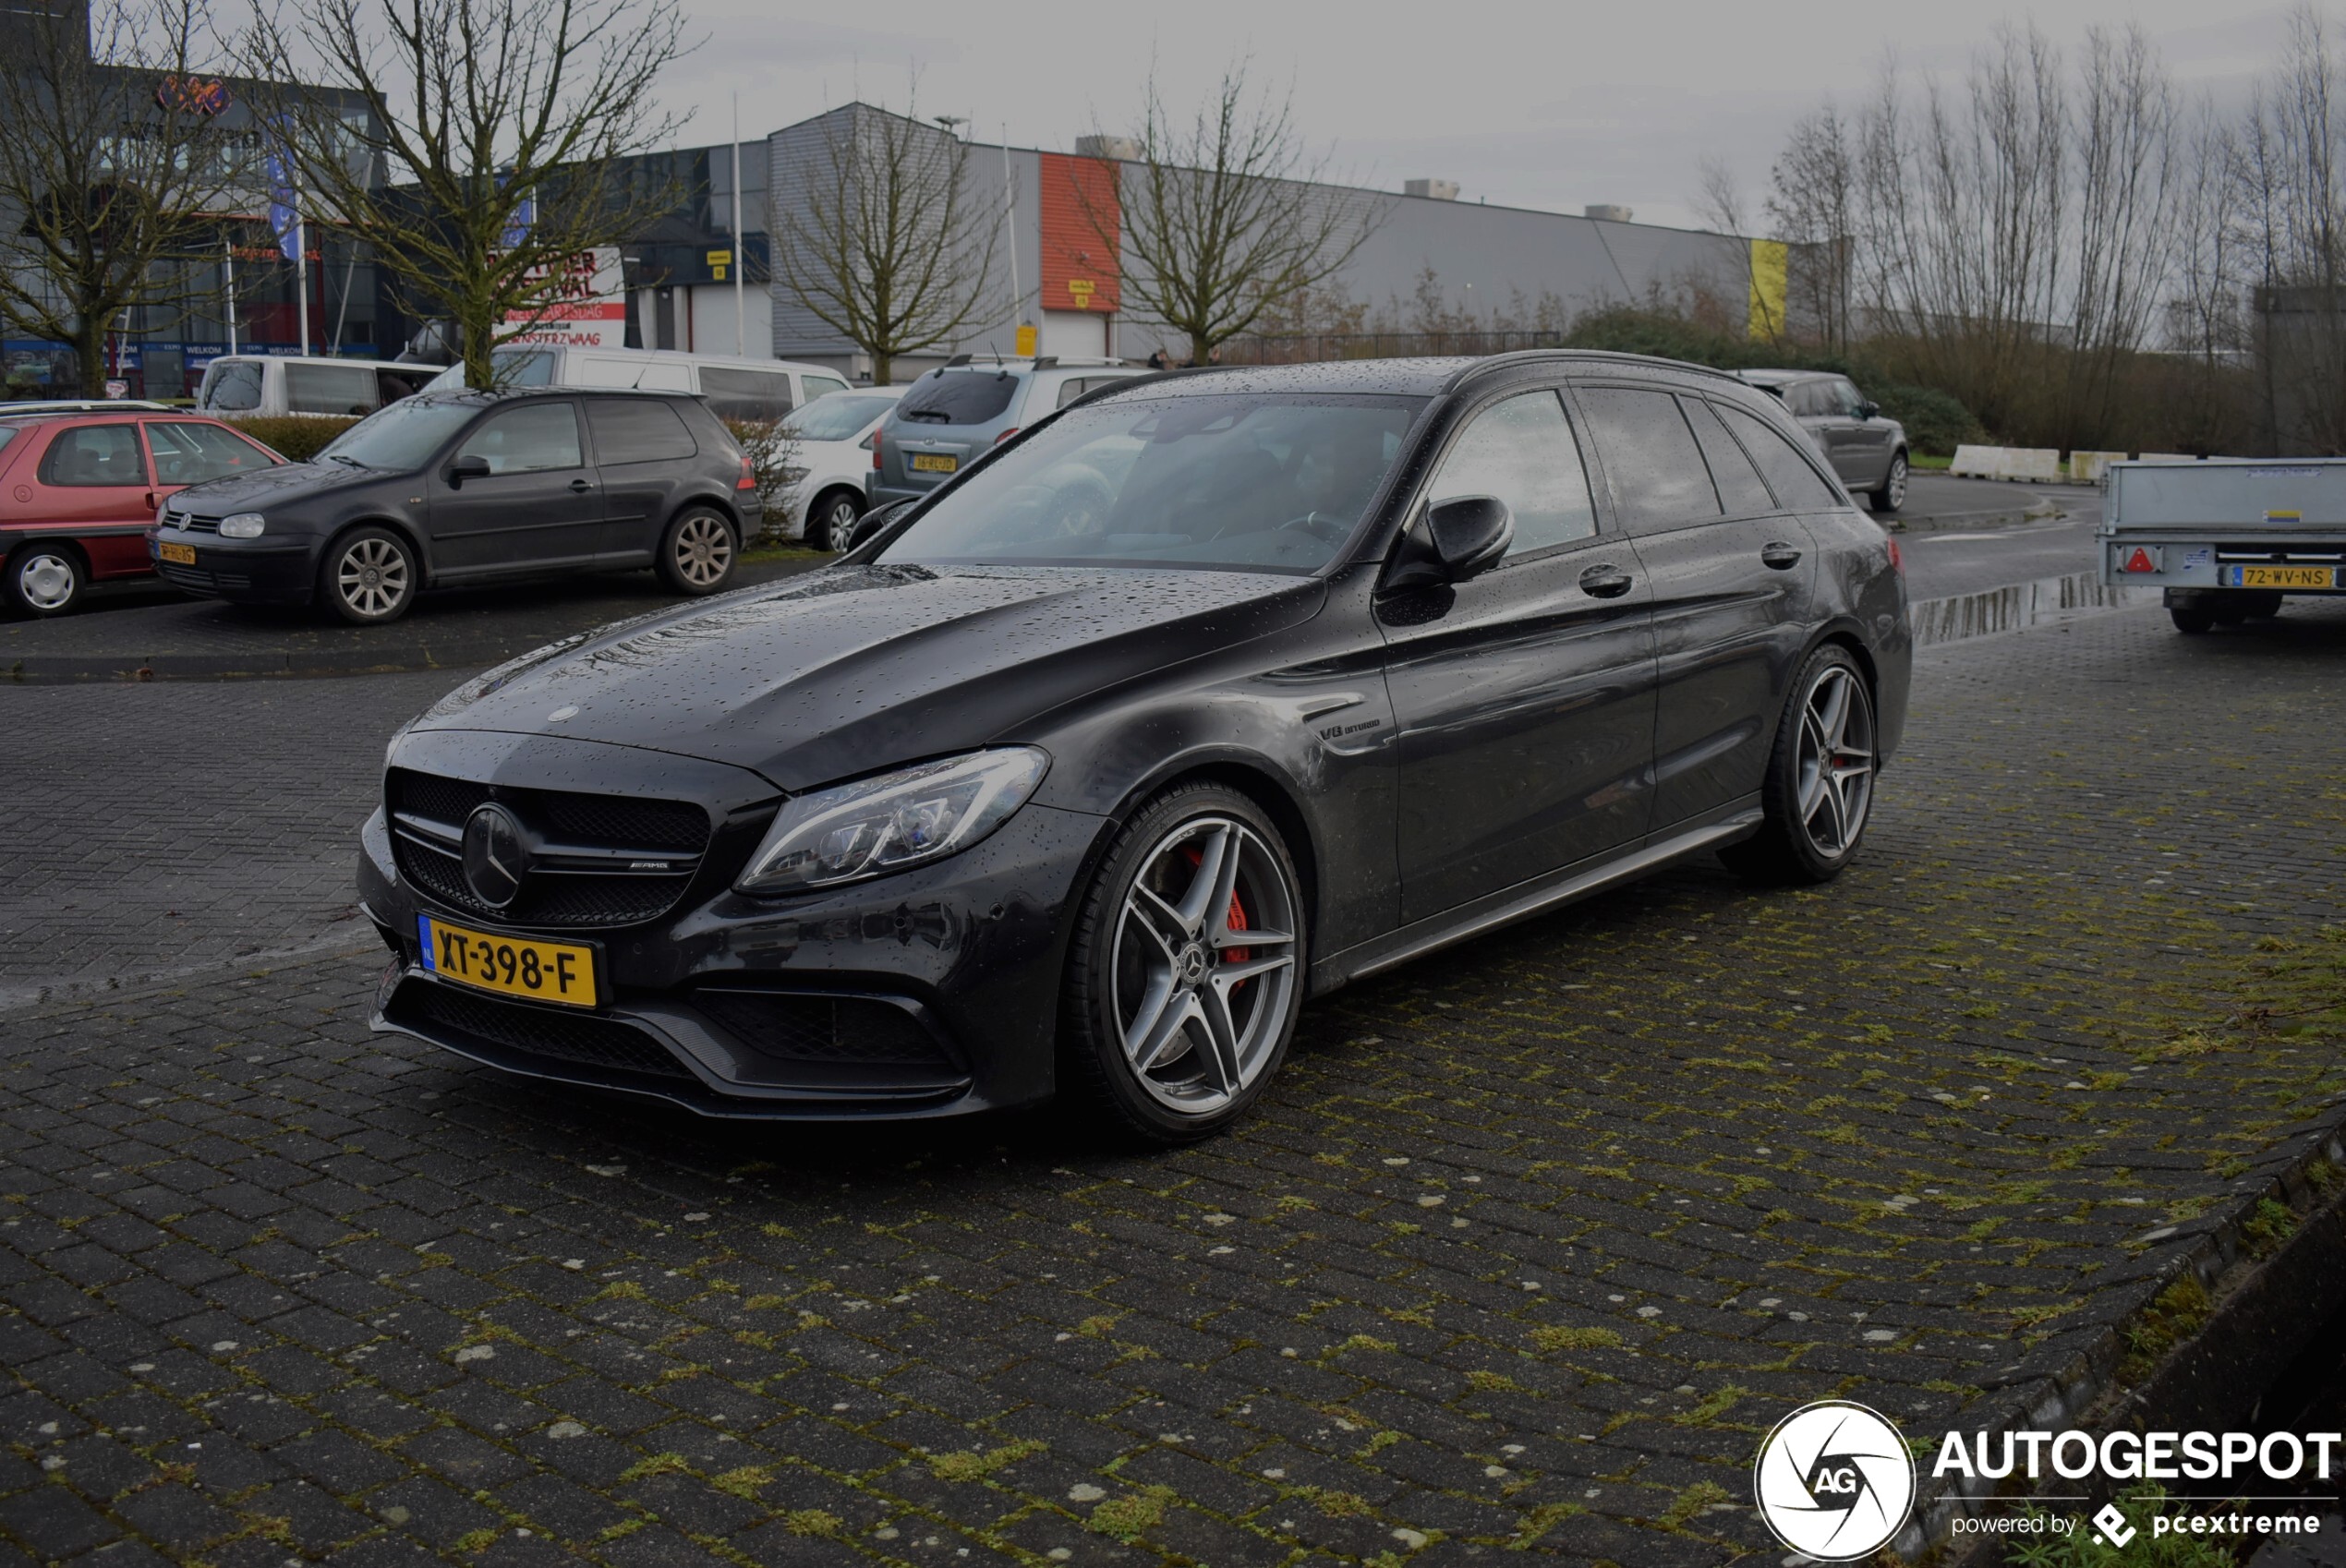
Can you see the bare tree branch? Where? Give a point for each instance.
(497, 146)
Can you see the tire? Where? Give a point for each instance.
(2190, 619)
(369, 577)
(1818, 795)
(45, 580)
(698, 552)
(1893, 493)
(2258, 604)
(832, 518)
(1180, 946)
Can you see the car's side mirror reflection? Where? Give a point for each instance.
(470, 466)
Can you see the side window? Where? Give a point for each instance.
(1075, 387)
(1797, 484)
(744, 395)
(821, 386)
(330, 388)
(189, 454)
(527, 440)
(1522, 452)
(1740, 489)
(1812, 399)
(1659, 479)
(1848, 398)
(637, 430)
(92, 455)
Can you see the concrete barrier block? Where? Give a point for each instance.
(1974, 461)
(2037, 464)
(2087, 467)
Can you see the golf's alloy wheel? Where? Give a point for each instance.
(1203, 965)
(702, 551)
(1835, 766)
(373, 577)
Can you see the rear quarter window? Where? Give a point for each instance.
(745, 394)
(1798, 487)
(959, 397)
(637, 430)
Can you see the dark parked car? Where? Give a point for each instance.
(466, 487)
(1867, 447)
(1218, 690)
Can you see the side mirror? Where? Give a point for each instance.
(1867, 410)
(472, 465)
(1464, 538)
(872, 524)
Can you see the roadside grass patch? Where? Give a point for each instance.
(2174, 1315)
(2082, 1548)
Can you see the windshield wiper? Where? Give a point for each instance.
(343, 457)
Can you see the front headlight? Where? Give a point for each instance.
(242, 526)
(884, 823)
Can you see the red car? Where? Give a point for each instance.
(79, 492)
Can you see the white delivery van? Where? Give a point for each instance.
(248, 384)
(734, 388)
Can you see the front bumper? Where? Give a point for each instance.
(262, 570)
(933, 992)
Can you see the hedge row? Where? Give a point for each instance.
(298, 438)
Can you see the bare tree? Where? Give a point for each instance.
(500, 142)
(1720, 205)
(885, 243)
(1225, 219)
(2293, 202)
(1811, 202)
(114, 154)
(2123, 135)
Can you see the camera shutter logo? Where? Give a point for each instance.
(1834, 1482)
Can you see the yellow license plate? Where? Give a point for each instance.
(934, 463)
(184, 555)
(511, 966)
(2284, 577)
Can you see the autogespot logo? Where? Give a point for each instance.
(1834, 1482)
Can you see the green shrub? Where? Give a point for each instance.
(295, 437)
(1936, 422)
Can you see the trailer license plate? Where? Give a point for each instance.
(510, 966)
(934, 463)
(2280, 577)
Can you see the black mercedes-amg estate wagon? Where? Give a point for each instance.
(1208, 693)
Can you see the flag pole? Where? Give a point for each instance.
(301, 273)
(741, 246)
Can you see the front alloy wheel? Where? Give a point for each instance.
(835, 520)
(368, 577)
(1186, 978)
(1893, 493)
(1818, 790)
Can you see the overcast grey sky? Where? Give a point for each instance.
(1549, 105)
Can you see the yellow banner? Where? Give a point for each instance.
(1768, 264)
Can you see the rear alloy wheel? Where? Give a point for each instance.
(1186, 977)
(369, 577)
(45, 580)
(1818, 792)
(1893, 493)
(698, 554)
(833, 519)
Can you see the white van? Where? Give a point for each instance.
(734, 388)
(264, 384)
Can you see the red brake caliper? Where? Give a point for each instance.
(1238, 916)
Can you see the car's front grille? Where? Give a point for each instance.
(189, 522)
(854, 1030)
(648, 849)
(579, 1041)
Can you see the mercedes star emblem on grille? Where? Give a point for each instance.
(494, 858)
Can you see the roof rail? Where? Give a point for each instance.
(1601, 355)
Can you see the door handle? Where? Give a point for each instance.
(1605, 581)
(1781, 556)
(581, 485)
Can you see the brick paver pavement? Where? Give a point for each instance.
(1527, 1247)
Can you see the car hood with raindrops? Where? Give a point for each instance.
(851, 669)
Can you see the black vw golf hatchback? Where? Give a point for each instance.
(1209, 694)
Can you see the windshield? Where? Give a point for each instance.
(229, 386)
(1245, 482)
(838, 417)
(401, 437)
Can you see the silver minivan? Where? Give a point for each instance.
(948, 417)
(255, 385)
(734, 388)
